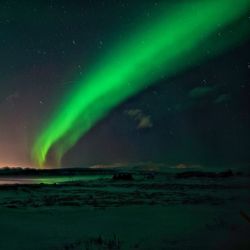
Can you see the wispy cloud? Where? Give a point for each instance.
(222, 98)
(143, 120)
(12, 98)
(199, 92)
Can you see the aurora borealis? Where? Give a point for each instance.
(103, 82)
(124, 124)
(133, 66)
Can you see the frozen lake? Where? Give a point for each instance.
(12, 180)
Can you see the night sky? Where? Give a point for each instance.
(198, 114)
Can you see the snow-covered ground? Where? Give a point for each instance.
(162, 213)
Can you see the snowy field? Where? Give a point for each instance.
(159, 213)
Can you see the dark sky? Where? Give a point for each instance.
(198, 116)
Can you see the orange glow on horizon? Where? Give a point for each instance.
(16, 165)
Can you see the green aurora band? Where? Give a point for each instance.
(179, 38)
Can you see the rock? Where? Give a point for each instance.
(228, 173)
(199, 174)
(123, 176)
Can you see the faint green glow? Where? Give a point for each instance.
(169, 44)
